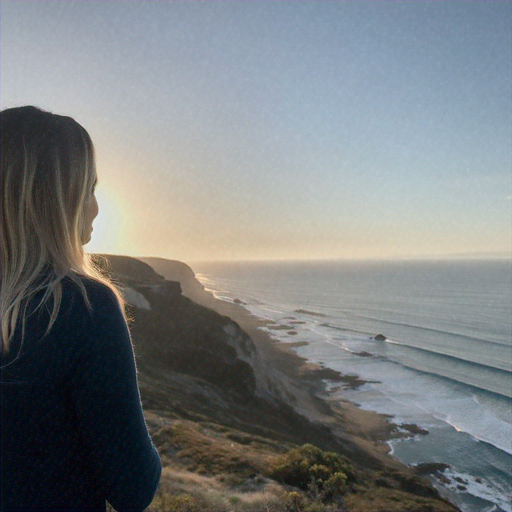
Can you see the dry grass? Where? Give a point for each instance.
(184, 491)
(208, 467)
(378, 499)
(209, 451)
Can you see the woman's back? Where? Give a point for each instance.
(73, 433)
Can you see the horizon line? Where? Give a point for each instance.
(491, 256)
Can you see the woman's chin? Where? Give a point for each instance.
(86, 239)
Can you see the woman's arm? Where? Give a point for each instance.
(109, 409)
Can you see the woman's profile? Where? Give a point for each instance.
(73, 435)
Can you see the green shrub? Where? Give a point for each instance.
(297, 502)
(336, 485)
(308, 466)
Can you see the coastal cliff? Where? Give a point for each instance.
(231, 411)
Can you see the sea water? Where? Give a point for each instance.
(445, 364)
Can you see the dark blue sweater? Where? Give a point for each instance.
(72, 430)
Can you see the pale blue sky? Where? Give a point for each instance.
(280, 129)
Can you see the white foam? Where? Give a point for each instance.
(482, 425)
(464, 413)
(478, 487)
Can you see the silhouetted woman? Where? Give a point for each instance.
(73, 433)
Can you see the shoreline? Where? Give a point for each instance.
(370, 430)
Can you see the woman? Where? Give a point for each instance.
(73, 433)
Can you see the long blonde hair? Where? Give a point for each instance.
(48, 177)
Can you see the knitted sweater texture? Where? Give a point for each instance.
(73, 434)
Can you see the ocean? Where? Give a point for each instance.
(445, 364)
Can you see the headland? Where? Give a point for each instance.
(242, 422)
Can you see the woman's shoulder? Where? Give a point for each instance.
(94, 309)
(84, 292)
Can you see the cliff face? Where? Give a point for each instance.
(172, 334)
(194, 360)
(271, 383)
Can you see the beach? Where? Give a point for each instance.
(305, 380)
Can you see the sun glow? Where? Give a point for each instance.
(110, 227)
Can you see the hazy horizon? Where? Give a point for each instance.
(427, 258)
(280, 130)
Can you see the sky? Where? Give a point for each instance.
(234, 130)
